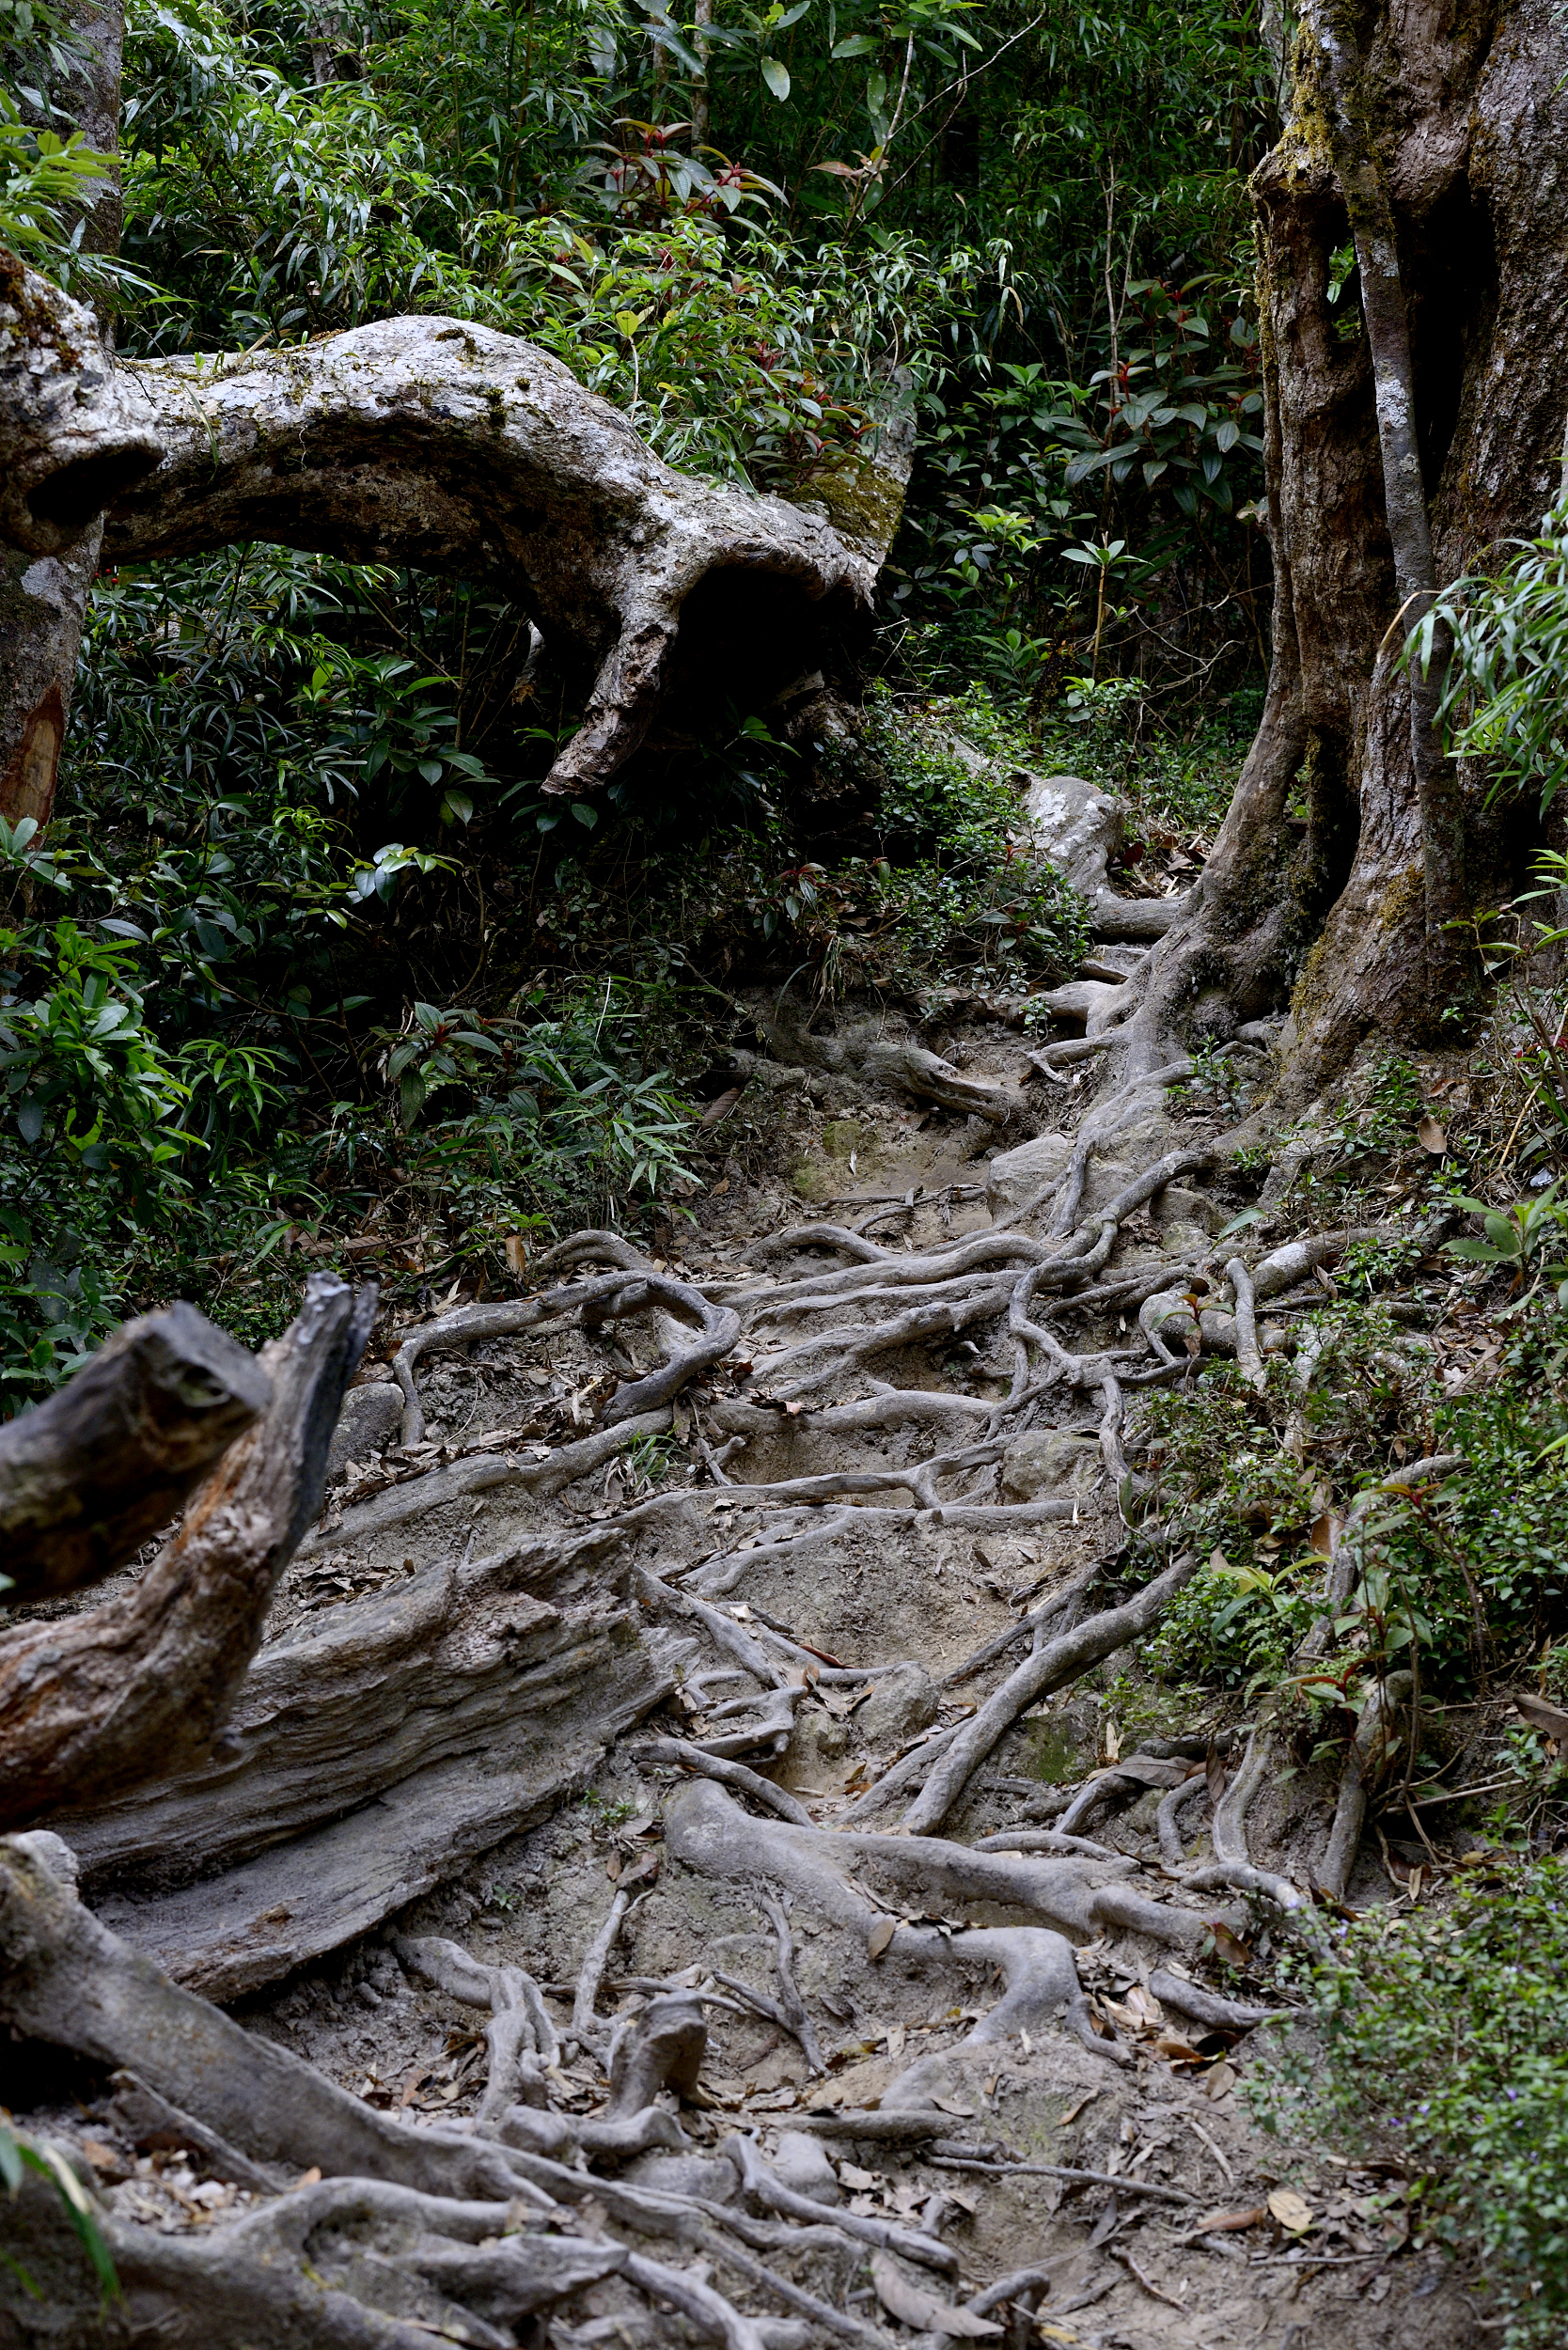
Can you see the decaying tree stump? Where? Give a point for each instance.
(367, 1756)
(95, 1470)
(139, 1686)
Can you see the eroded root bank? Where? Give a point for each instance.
(723, 1551)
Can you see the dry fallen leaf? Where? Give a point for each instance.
(1230, 1947)
(1432, 1136)
(955, 2107)
(1544, 1715)
(1072, 2112)
(311, 2177)
(859, 2182)
(922, 2310)
(1176, 2050)
(879, 1935)
(1324, 1532)
(1290, 2210)
(1219, 2080)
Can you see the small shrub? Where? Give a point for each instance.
(1439, 2040)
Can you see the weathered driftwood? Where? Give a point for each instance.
(101, 1702)
(368, 1755)
(466, 451)
(93, 1473)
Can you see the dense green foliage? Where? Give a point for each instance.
(1507, 687)
(307, 957)
(1440, 2043)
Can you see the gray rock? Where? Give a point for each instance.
(1076, 826)
(1175, 1204)
(1047, 1457)
(370, 1419)
(1189, 1244)
(802, 2164)
(900, 1704)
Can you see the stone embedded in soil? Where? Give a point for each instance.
(802, 2164)
(372, 1418)
(1016, 1177)
(901, 1702)
(1045, 1458)
(1176, 1204)
(1076, 826)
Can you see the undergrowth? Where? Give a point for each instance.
(1438, 2042)
(1434, 2029)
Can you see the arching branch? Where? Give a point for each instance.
(461, 450)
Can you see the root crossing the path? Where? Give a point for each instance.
(776, 1676)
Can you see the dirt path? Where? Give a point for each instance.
(735, 1841)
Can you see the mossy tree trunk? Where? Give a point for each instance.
(1414, 424)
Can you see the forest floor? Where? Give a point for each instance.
(1095, 2145)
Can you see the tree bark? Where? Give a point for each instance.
(366, 1754)
(1429, 143)
(461, 450)
(43, 597)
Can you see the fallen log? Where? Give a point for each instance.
(369, 1754)
(448, 446)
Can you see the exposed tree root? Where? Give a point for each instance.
(1377, 1731)
(1059, 1661)
(489, 1650)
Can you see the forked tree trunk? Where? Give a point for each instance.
(1429, 143)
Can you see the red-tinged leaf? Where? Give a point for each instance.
(1230, 1947)
(1229, 2222)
